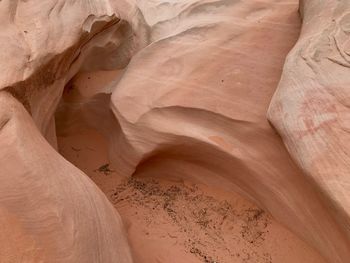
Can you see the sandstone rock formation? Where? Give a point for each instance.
(310, 110)
(209, 111)
(50, 211)
(191, 103)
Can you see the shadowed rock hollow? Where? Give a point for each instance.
(189, 111)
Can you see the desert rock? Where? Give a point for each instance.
(189, 90)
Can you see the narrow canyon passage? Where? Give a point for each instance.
(174, 131)
(168, 220)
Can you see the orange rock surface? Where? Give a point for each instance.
(236, 97)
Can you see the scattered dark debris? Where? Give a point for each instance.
(201, 254)
(256, 222)
(104, 169)
(194, 212)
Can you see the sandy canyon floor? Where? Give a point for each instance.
(217, 131)
(171, 221)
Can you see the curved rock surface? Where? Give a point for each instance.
(45, 45)
(311, 109)
(191, 104)
(50, 211)
(204, 116)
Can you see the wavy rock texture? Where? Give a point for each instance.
(49, 209)
(311, 109)
(192, 104)
(46, 45)
(203, 116)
